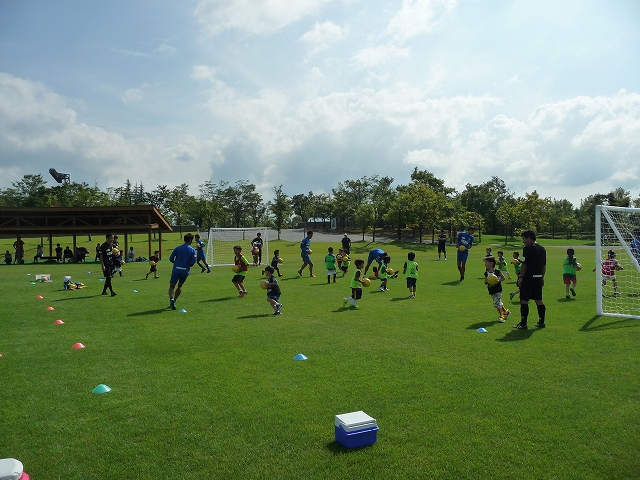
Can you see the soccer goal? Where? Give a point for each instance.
(222, 240)
(617, 256)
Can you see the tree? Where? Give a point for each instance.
(381, 198)
(364, 217)
(178, 203)
(280, 208)
(429, 179)
(534, 210)
(301, 205)
(561, 217)
(511, 216)
(424, 207)
(485, 199)
(28, 192)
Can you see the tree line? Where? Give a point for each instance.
(367, 204)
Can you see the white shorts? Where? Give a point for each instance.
(331, 272)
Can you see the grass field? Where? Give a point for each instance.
(215, 392)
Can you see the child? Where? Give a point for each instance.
(383, 273)
(69, 285)
(255, 253)
(517, 266)
(153, 265)
(117, 264)
(410, 271)
(7, 258)
(356, 284)
(569, 273)
(346, 262)
(330, 263)
(487, 253)
(275, 262)
(242, 265)
(495, 290)
(502, 264)
(609, 268)
(273, 290)
(201, 255)
(339, 258)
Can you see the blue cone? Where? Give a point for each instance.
(102, 388)
(32, 283)
(134, 291)
(482, 330)
(182, 310)
(299, 357)
(102, 279)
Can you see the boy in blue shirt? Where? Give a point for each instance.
(201, 255)
(273, 290)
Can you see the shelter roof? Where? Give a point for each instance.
(73, 220)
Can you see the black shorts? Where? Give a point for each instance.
(442, 248)
(356, 293)
(238, 279)
(531, 289)
(411, 282)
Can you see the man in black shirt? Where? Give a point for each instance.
(531, 279)
(346, 244)
(258, 242)
(107, 260)
(442, 244)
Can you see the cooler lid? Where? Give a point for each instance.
(355, 419)
(10, 469)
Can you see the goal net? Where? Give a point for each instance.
(222, 240)
(617, 256)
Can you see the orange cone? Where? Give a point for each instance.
(77, 345)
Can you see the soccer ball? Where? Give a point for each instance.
(578, 267)
(339, 257)
(280, 260)
(115, 251)
(366, 282)
(263, 284)
(309, 251)
(462, 248)
(390, 271)
(235, 268)
(152, 263)
(492, 279)
(514, 262)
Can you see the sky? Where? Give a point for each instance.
(305, 94)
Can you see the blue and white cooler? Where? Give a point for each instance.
(356, 429)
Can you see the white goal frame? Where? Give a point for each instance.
(614, 231)
(220, 243)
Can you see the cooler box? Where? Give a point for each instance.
(356, 429)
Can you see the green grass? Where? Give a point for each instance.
(215, 393)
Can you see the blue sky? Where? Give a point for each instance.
(544, 95)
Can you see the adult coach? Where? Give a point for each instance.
(376, 254)
(18, 246)
(531, 279)
(183, 258)
(107, 262)
(442, 244)
(346, 244)
(305, 251)
(464, 241)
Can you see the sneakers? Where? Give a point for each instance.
(573, 292)
(242, 294)
(412, 295)
(300, 272)
(505, 314)
(311, 276)
(172, 304)
(278, 307)
(381, 289)
(540, 325)
(344, 303)
(277, 312)
(280, 274)
(567, 296)
(202, 271)
(113, 294)
(501, 319)
(105, 293)
(354, 306)
(520, 326)
(511, 295)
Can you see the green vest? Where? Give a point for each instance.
(354, 283)
(411, 269)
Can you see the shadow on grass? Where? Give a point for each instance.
(339, 449)
(258, 315)
(398, 299)
(516, 335)
(453, 283)
(478, 325)
(75, 298)
(148, 312)
(618, 323)
(223, 299)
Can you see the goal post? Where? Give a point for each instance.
(617, 256)
(221, 241)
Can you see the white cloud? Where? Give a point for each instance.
(323, 35)
(255, 17)
(372, 57)
(417, 17)
(132, 95)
